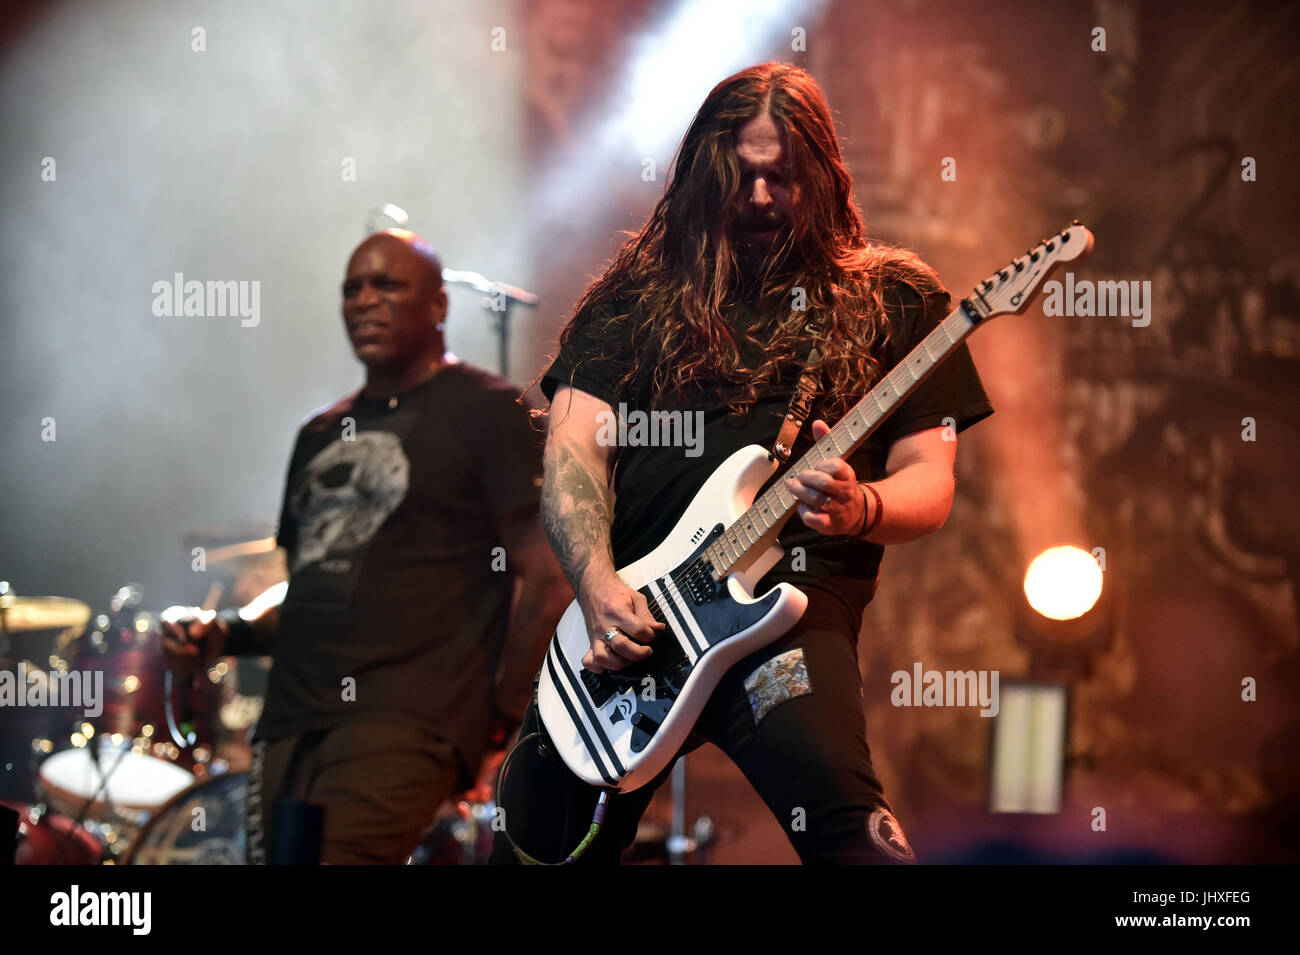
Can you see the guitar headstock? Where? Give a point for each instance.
(1010, 289)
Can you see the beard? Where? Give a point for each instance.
(764, 244)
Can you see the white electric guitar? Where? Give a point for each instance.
(621, 728)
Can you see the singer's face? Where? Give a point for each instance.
(393, 304)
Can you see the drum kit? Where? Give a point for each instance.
(139, 765)
(106, 755)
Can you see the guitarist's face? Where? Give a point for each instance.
(769, 196)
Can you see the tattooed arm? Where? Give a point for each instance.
(577, 513)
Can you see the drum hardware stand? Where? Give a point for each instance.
(126, 599)
(703, 834)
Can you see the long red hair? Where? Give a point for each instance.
(665, 294)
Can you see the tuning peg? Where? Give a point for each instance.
(1033, 256)
(1065, 236)
(986, 284)
(1002, 274)
(1075, 222)
(1051, 246)
(1019, 264)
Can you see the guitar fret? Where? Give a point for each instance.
(781, 495)
(738, 542)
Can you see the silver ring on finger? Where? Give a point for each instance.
(610, 634)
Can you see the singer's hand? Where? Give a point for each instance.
(189, 645)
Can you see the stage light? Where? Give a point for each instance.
(1064, 619)
(680, 60)
(1063, 583)
(669, 71)
(1028, 754)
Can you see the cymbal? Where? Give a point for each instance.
(232, 532)
(20, 614)
(254, 548)
(234, 541)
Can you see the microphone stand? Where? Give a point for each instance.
(498, 298)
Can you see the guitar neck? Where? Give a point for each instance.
(774, 507)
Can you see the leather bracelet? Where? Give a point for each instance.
(862, 523)
(880, 511)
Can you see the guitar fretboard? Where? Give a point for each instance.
(773, 507)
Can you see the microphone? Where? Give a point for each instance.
(479, 283)
(387, 216)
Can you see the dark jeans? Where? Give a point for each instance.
(379, 781)
(797, 734)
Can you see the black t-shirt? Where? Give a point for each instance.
(654, 485)
(391, 522)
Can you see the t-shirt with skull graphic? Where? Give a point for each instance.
(399, 587)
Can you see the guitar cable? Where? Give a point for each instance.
(597, 817)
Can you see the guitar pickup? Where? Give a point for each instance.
(599, 685)
(700, 585)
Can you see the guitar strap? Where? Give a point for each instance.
(805, 391)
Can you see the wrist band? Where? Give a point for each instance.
(880, 511)
(239, 634)
(862, 523)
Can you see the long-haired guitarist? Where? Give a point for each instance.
(708, 315)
